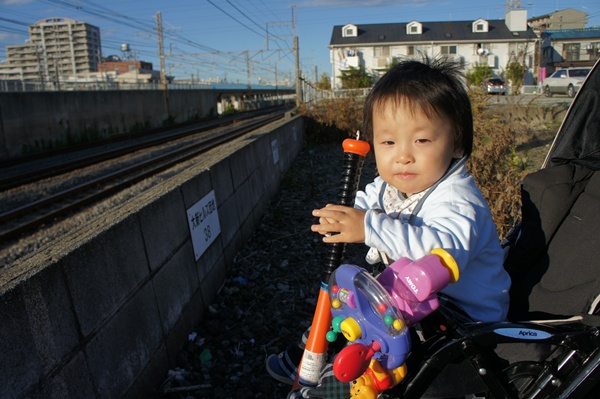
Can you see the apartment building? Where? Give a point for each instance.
(56, 48)
(491, 42)
(558, 20)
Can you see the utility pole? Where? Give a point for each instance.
(297, 55)
(298, 82)
(248, 68)
(161, 51)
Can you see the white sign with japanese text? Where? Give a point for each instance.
(203, 219)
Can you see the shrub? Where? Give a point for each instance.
(356, 78)
(479, 72)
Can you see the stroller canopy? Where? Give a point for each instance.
(578, 139)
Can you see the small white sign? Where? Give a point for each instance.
(275, 151)
(203, 219)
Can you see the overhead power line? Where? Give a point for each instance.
(234, 18)
(248, 18)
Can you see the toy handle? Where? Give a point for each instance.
(315, 351)
(355, 152)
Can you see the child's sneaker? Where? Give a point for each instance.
(284, 366)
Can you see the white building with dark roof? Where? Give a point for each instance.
(493, 42)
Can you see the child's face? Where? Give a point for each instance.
(412, 150)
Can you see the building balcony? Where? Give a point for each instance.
(381, 62)
(350, 62)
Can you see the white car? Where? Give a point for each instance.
(494, 86)
(565, 81)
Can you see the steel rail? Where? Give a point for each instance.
(19, 179)
(67, 201)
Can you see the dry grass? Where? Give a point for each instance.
(494, 165)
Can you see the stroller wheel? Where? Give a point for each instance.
(521, 376)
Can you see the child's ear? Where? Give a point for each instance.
(458, 153)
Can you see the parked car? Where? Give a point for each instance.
(494, 86)
(565, 81)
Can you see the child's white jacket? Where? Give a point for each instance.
(453, 215)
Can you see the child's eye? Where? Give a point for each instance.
(389, 142)
(421, 141)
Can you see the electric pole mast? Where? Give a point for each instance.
(161, 51)
(248, 68)
(161, 54)
(297, 55)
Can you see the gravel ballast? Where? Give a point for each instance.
(269, 296)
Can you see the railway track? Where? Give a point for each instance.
(142, 140)
(120, 169)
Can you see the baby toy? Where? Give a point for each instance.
(373, 315)
(376, 380)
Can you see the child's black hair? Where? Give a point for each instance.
(435, 86)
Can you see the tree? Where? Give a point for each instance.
(356, 78)
(479, 72)
(324, 83)
(515, 71)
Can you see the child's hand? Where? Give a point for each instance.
(347, 222)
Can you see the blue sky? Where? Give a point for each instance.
(214, 39)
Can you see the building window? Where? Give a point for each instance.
(381, 51)
(590, 48)
(572, 51)
(414, 28)
(481, 25)
(482, 49)
(410, 50)
(349, 31)
(447, 50)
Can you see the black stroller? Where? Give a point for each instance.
(551, 346)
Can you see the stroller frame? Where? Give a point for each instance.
(570, 369)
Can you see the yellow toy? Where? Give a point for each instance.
(376, 380)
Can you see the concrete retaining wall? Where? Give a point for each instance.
(103, 312)
(37, 122)
(40, 121)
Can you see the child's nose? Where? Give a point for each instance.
(404, 155)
